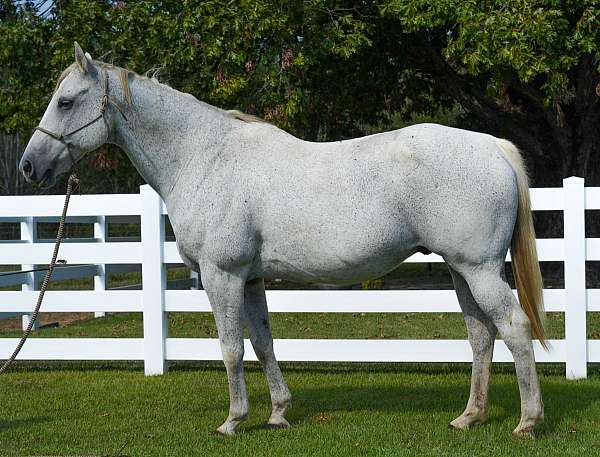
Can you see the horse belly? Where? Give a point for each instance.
(348, 258)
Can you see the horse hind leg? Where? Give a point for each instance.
(257, 319)
(495, 298)
(482, 333)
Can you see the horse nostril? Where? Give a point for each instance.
(27, 168)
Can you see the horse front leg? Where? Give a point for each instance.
(225, 291)
(257, 317)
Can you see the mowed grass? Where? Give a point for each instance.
(58, 408)
(299, 325)
(338, 410)
(96, 408)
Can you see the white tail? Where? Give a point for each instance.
(525, 265)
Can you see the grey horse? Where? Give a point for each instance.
(249, 201)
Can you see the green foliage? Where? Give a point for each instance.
(265, 57)
(323, 69)
(24, 68)
(542, 39)
(302, 65)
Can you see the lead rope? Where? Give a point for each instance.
(73, 182)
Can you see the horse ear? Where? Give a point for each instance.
(82, 60)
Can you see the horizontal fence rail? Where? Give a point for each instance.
(92, 257)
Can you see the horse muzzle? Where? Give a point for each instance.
(37, 169)
(47, 178)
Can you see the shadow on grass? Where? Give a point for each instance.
(437, 392)
(22, 422)
(547, 369)
(439, 389)
(561, 401)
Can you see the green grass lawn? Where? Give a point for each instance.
(94, 408)
(338, 410)
(90, 408)
(301, 325)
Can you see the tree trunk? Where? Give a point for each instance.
(11, 180)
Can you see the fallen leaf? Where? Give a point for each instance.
(322, 417)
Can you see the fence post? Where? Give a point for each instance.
(153, 283)
(100, 279)
(575, 293)
(29, 235)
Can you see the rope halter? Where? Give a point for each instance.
(104, 102)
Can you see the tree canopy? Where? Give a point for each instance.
(526, 70)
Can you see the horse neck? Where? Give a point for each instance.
(165, 130)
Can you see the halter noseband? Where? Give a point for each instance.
(106, 99)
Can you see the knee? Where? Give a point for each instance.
(233, 357)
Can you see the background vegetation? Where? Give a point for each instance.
(526, 70)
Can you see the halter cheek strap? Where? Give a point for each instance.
(106, 99)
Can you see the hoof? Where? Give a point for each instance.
(524, 433)
(225, 430)
(451, 426)
(282, 424)
(465, 422)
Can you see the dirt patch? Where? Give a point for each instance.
(62, 319)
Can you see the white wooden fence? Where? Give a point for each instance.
(155, 301)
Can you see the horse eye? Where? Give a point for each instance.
(65, 103)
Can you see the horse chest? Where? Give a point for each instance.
(222, 244)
